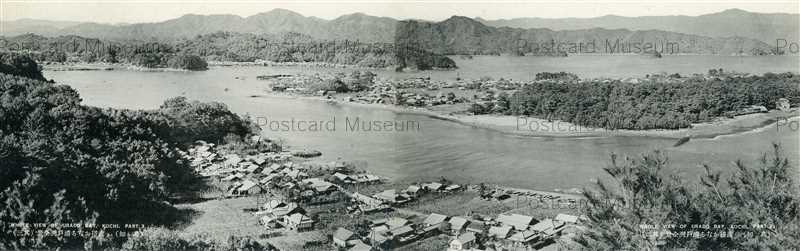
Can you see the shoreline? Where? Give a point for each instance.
(78, 66)
(506, 124)
(104, 67)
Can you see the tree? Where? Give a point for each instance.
(19, 65)
(642, 195)
(187, 62)
(63, 162)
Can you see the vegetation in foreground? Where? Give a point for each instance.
(759, 205)
(63, 162)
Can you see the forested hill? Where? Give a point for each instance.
(192, 53)
(463, 35)
(658, 102)
(63, 162)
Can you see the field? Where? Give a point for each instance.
(219, 219)
(435, 243)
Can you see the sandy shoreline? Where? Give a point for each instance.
(535, 127)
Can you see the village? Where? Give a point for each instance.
(292, 202)
(484, 95)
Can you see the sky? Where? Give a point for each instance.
(137, 11)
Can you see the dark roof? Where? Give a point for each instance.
(401, 230)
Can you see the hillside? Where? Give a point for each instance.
(190, 53)
(463, 35)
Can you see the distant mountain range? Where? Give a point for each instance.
(728, 32)
(356, 26)
(766, 27)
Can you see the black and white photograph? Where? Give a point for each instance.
(356, 125)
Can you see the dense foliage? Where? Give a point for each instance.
(15, 64)
(89, 50)
(63, 162)
(666, 103)
(760, 206)
(294, 47)
(162, 239)
(225, 46)
(187, 62)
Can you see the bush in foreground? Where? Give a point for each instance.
(63, 162)
(163, 239)
(762, 196)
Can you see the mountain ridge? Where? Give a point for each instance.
(363, 27)
(463, 35)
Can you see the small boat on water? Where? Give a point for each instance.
(682, 141)
(274, 76)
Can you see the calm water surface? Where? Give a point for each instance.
(442, 148)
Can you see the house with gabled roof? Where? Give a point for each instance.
(395, 222)
(343, 178)
(433, 186)
(249, 187)
(522, 239)
(566, 218)
(391, 196)
(499, 232)
(360, 246)
(298, 222)
(413, 190)
(547, 227)
(272, 205)
(320, 186)
(434, 219)
(466, 241)
(477, 227)
(458, 224)
(287, 209)
(399, 232)
(517, 221)
(342, 236)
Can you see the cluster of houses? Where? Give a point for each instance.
(289, 215)
(395, 96)
(507, 232)
(503, 232)
(253, 174)
(383, 233)
(392, 197)
(208, 162)
(256, 173)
